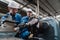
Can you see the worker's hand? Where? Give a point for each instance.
(31, 35)
(16, 29)
(2, 24)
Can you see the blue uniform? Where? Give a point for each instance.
(17, 17)
(25, 19)
(25, 31)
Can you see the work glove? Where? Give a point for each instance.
(31, 35)
(16, 29)
(2, 24)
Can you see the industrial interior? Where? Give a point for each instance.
(44, 10)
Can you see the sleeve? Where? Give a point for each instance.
(4, 18)
(24, 20)
(33, 21)
(18, 19)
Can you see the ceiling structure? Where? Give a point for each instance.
(50, 7)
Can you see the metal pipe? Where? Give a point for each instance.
(37, 8)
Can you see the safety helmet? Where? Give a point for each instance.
(13, 4)
(29, 10)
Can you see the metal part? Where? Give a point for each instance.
(37, 8)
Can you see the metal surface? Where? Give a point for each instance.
(7, 30)
(8, 27)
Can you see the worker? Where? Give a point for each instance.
(23, 21)
(12, 14)
(27, 20)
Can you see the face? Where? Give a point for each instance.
(29, 14)
(13, 10)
